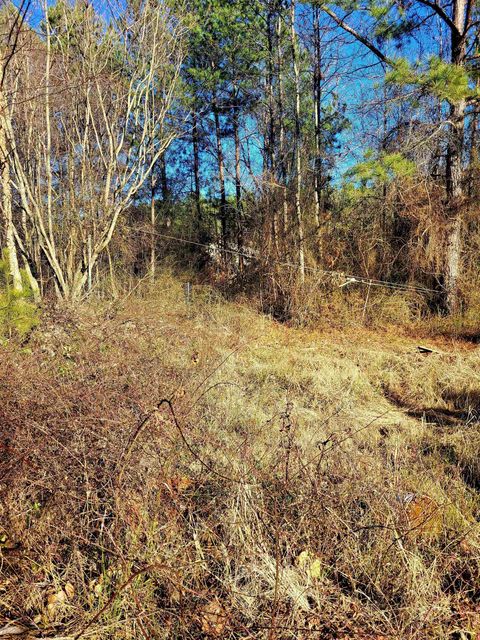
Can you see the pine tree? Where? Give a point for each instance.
(448, 80)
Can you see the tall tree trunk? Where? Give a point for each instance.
(455, 197)
(7, 201)
(113, 284)
(27, 257)
(473, 162)
(48, 130)
(317, 97)
(282, 161)
(238, 182)
(298, 147)
(221, 173)
(162, 164)
(153, 221)
(270, 140)
(165, 189)
(196, 167)
(454, 172)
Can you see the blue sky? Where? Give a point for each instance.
(356, 79)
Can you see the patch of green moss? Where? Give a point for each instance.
(18, 313)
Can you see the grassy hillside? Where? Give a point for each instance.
(199, 471)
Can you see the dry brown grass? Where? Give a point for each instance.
(295, 485)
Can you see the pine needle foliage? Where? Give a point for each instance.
(443, 80)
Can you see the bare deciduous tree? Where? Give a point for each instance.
(90, 119)
(11, 27)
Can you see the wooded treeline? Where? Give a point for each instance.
(331, 137)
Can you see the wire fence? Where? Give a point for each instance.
(348, 278)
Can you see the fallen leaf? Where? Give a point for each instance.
(303, 558)
(179, 483)
(315, 569)
(12, 630)
(424, 515)
(179, 393)
(55, 602)
(176, 596)
(214, 619)
(69, 590)
(57, 598)
(95, 587)
(465, 546)
(313, 564)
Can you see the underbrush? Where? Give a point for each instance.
(326, 299)
(195, 470)
(18, 313)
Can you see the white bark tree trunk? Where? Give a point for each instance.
(14, 268)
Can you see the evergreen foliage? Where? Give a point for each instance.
(441, 79)
(379, 169)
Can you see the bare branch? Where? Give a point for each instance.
(443, 15)
(358, 36)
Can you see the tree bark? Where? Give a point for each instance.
(238, 183)
(7, 201)
(221, 173)
(270, 146)
(298, 147)
(153, 221)
(454, 168)
(282, 161)
(162, 164)
(317, 97)
(473, 160)
(270, 138)
(196, 167)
